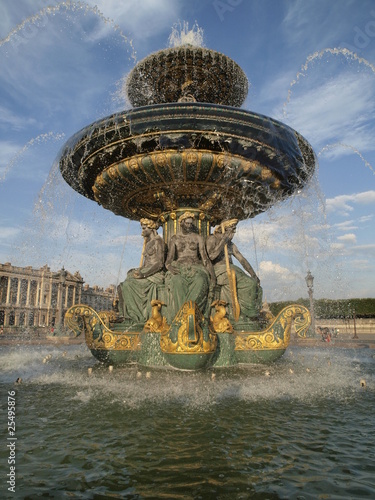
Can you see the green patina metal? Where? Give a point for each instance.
(187, 158)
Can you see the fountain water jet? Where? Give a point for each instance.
(329, 147)
(71, 7)
(188, 158)
(348, 54)
(36, 140)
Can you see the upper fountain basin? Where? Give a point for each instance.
(187, 72)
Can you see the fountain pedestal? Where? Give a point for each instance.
(186, 147)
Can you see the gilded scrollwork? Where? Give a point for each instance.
(98, 336)
(190, 335)
(152, 184)
(277, 335)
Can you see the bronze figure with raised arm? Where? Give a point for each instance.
(240, 290)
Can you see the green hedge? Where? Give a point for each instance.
(327, 308)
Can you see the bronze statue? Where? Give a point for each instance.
(141, 284)
(190, 273)
(242, 291)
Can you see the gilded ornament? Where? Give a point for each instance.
(277, 335)
(84, 319)
(157, 323)
(220, 323)
(190, 336)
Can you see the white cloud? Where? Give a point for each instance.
(318, 24)
(361, 264)
(15, 121)
(7, 151)
(337, 246)
(348, 225)
(7, 233)
(366, 218)
(142, 20)
(337, 110)
(348, 238)
(273, 90)
(343, 203)
(366, 248)
(269, 268)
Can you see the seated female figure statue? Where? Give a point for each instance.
(249, 292)
(190, 273)
(140, 286)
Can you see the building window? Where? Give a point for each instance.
(12, 318)
(31, 319)
(33, 291)
(22, 319)
(55, 288)
(3, 289)
(13, 290)
(23, 297)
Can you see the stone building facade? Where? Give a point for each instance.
(98, 298)
(40, 297)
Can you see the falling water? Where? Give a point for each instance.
(70, 7)
(296, 227)
(53, 226)
(330, 147)
(299, 429)
(349, 55)
(42, 138)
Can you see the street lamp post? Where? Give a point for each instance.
(310, 284)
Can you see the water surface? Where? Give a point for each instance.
(301, 428)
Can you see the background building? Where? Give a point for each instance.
(40, 297)
(98, 298)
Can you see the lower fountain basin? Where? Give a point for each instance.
(117, 345)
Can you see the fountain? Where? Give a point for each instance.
(297, 428)
(189, 159)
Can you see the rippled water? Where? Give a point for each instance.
(304, 430)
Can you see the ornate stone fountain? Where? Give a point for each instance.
(187, 158)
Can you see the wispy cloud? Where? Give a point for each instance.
(361, 264)
(348, 238)
(344, 203)
(8, 151)
(271, 269)
(347, 225)
(141, 20)
(300, 21)
(7, 233)
(9, 118)
(340, 109)
(366, 248)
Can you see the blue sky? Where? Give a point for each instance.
(311, 64)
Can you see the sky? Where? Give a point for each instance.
(310, 64)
